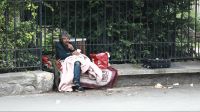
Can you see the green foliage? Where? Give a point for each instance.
(18, 34)
(129, 30)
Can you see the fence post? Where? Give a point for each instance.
(40, 35)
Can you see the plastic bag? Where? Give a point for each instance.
(100, 59)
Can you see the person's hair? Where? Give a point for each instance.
(65, 34)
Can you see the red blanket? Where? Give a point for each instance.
(109, 79)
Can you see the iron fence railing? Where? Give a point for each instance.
(20, 35)
(131, 30)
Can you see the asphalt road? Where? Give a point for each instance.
(179, 98)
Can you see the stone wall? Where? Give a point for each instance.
(25, 82)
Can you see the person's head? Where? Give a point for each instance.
(65, 38)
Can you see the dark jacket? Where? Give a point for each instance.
(61, 51)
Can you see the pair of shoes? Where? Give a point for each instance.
(78, 88)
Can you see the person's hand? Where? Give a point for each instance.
(75, 53)
(70, 47)
(59, 65)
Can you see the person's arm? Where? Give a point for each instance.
(61, 52)
(75, 52)
(72, 47)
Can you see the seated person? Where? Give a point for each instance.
(64, 49)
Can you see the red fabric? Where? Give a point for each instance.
(114, 77)
(45, 60)
(111, 83)
(100, 59)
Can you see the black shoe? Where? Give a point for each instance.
(78, 88)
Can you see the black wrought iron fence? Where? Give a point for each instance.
(20, 35)
(130, 30)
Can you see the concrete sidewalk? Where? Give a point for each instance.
(181, 98)
(179, 72)
(176, 68)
